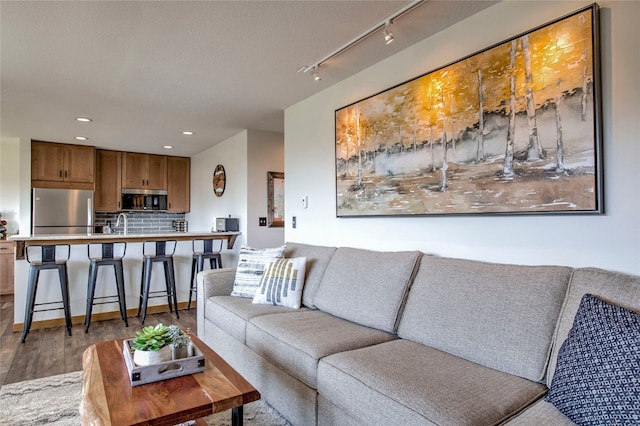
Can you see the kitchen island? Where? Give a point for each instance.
(78, 271)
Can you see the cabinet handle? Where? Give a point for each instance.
(60, 173)
(147, 182)
(142, 182)
(65, 173)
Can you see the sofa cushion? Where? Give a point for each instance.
(597, 376)
(403, 382)
(251, 264)
(500, 316)
(318, 258)
(540, 413)
(612, 287)
(282, 283)
(231, 313)
(367, 287)
(296, 341)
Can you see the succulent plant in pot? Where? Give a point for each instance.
(179, 342)
(151, 345)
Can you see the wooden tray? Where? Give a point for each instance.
(141, 375)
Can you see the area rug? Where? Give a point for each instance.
(55, 400)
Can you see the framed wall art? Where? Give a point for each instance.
(513, 129)
(275, 199)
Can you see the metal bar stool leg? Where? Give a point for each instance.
(91, 290)
(140, 296)
(64, 286)
(172, 284)
(32, 287)
(146, 285)
(191, 282)
(121, 294)
(167, 283)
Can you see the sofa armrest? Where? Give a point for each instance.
(211, 282)
(215, 282)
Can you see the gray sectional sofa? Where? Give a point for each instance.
(388, 338)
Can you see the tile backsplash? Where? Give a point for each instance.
(141, 221)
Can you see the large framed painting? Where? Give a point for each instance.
(513, 129)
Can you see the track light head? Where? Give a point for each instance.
(388, 35)
(316, 76)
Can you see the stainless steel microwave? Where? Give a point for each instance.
(144, 199)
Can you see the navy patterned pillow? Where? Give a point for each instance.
(597, 377)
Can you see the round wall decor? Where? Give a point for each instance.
(219, 180)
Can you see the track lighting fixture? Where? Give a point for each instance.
(388, 35)
(388, 38)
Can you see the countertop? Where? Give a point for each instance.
(24, 240)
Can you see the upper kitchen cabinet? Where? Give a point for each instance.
(179, 182)
(108, 181)
(144, 171)
(57, 165)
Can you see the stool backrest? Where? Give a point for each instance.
(207, 246)
(159, 248)
(49, 253)
(107, 251)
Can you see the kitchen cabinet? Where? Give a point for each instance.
(57, 165)
(144, 171)
(108, 193)
(179, 184)
(6, 267)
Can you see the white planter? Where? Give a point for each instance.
(152, 357)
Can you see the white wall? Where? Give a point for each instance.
(265, 154)
(9, 182)
(15, 184)
(246, 158)
(205, 206)
(609, 241)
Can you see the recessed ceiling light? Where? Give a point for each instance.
(82, 138)
(84, 119)
(187, 132)
(168, 146)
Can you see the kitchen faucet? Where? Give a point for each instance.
(126, 223)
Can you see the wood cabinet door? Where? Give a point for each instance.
(178, 184)
(47, 161)
(108, 181)
(6, 267)
(134, 170)
(79, 163)
(157, 172)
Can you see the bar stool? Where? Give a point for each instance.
(48, 260)
(162, 255)
(204, 250)
(110, 254)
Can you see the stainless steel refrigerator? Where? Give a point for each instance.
(61, 211)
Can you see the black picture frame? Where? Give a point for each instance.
(513, 129)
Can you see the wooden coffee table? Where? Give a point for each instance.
(109, 399)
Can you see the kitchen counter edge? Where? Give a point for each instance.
(23, 240)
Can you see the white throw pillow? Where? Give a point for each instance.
(251, 263)
(282, 283)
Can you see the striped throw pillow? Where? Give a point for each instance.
(251, 264)
(282, 283)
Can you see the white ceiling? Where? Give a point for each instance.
(144, 71)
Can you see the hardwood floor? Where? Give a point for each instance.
(51, 351)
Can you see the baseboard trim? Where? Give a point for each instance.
(79, 319)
